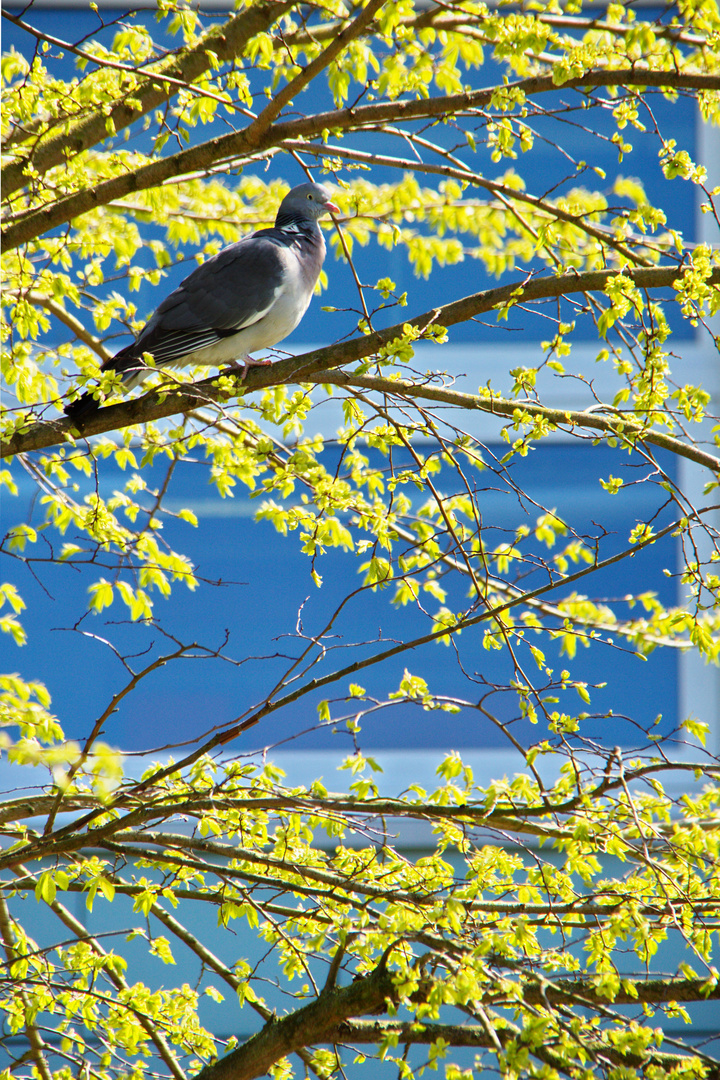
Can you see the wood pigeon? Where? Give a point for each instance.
(249, 296)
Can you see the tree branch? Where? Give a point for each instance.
(305, 1027)
(113, 973)
(313, 367)
(213, 963)
(409, 1033)
(343, 37)
(512, 818)
(502, 191)
(225, 42)
(14, 955)
(33, 223)
(619, 424)
(68, 319)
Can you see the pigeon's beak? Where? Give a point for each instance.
(332, 207)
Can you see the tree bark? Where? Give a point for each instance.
(225, 42)
(313, 1024)
(33, 223)
(309, 366)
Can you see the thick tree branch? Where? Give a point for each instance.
(505, 817)
(327, 1020)
(313, 367)
(33, 223)
(305, 1027)
(225, 42)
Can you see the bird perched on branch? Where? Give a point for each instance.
(249, 296)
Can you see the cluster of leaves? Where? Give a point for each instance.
(473, 943)
(149, 155)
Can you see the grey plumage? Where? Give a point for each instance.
(249, 296)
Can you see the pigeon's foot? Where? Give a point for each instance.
(244, 368)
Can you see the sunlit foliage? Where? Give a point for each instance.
(522, 937)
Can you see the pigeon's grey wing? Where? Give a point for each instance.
(232, 290)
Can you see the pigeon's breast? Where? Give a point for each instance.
(303, 263)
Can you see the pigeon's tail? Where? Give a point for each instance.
(80, 410)
(127, 364)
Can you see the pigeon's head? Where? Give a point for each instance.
(306, 202)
